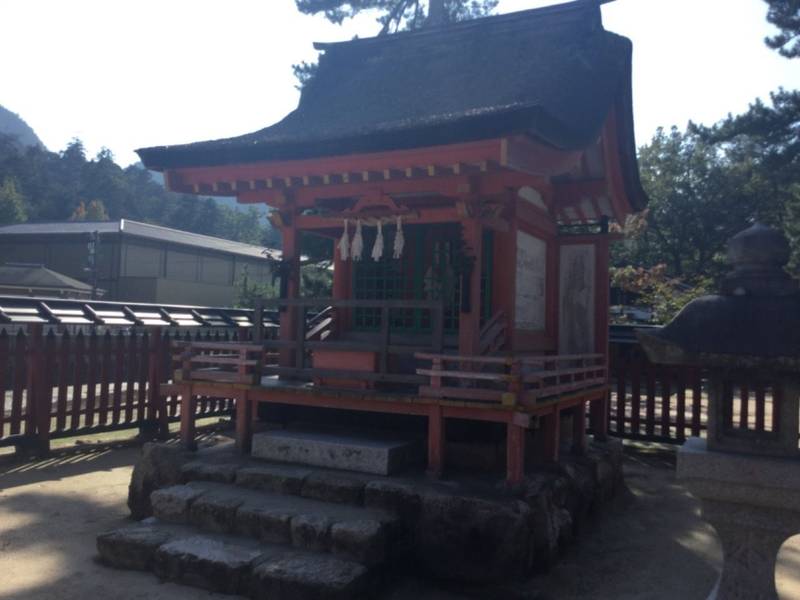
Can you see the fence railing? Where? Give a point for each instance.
(60, 381)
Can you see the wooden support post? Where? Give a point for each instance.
(579, 429)
(515, 454)
(551, 429)
(436, 441)
(244, 422)
(469, 325)
(258, 321)
(598, 417)
(157, 402)
(288, 315)
(38, 423)
(188, 409)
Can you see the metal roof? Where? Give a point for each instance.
(142, 230)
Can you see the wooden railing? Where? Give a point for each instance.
(222, 361)
(493, 334)
(510, 380)
(383, 342)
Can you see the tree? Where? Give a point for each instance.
(701, 194)
(394, 15)
(785, 15)
(12, 202)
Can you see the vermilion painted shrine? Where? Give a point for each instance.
(498, 150)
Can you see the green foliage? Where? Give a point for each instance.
(247, 292)
(13, 125)
(701, 194)
(57, 186)
(654, 288)
(12, 202)
(395, 15)
(785, 15)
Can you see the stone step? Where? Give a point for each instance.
(360, 453)
(233, 565)
(351, 532)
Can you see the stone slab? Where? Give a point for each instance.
(282, 479)
(207, 562)
(309, 577)
(171, 504)
(131, 547)
(345, 452)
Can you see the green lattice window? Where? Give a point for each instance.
(425, 272)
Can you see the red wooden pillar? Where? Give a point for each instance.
(579, 428)
(436, 441)
(599, 408)
(342, 285)
(188, 409)
(469, 326)
(39, 393)
(244, 422)
(288, 316)
(551, 430)
(515, 454)
(155, 400)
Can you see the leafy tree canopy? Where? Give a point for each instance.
(785, 15)
(395, 15)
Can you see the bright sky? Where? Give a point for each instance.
(133, 73)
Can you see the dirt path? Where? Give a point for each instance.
(652, 545)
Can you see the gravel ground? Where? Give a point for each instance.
(650, 544)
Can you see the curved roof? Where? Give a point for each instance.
(554, 74)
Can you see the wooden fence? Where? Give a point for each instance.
(58, 383)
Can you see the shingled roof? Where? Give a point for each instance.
(552, 73)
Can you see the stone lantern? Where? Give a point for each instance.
(747, 471)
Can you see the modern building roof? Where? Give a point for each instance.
(552, 73)
(40, 278)
(137, 229)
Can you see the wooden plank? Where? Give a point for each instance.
(650, 410)
(92, 378)
(5, 366)
(760, 406)
(144, 410)
(697, 400)
(465, 393)
(130, 375)
(119, 365)
(621, 396)
(20, 360)
(220, 376)
(666, 401)
(77, 380)
(680, 418)
(744, 398)
(515, 454)
(636, 397)
(105, 377)
(503, 377)
(436, 441)
(64, 364)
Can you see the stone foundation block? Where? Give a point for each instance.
(364, 541)
(215, 511)
(281, 479)
(172, 504)
(205, 562)
(311, 532)
(331, 487)
(131, 547)
(309, 577)
(266, 523)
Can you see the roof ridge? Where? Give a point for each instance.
(460, 26)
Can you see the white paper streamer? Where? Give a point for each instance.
(344, 244)
(399, 240)
(377, 249)
(357, 247)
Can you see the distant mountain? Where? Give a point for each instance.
(12, 124)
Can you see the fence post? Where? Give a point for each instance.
(154, 372)
(39, 397)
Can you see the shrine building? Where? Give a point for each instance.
(465, 177)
